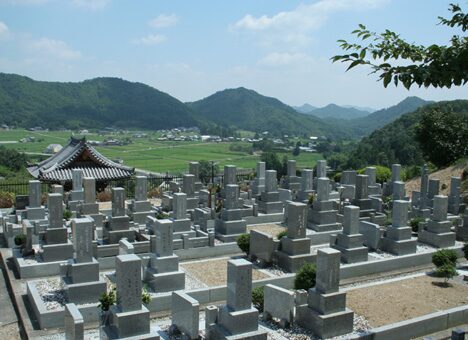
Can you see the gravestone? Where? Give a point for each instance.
(238, 319)
(462, 228)
(90, 206)
(374, 188)
(362, 199)
(350, 242)
(307, 185)
(399, 191)
(397, 239)
(230, 224)
(118, 225)
(194, 169)
(325, 312)
(269, 202)
(185, 314)
(188, 187)
(291, 181)
(181, 224)
(454, 199)
(74, 323)
(279, 304)
(129, 318)
(162, 273)
(35, 211)
(433, 190)
(438, 232)
(77, 193)
(140, 207)
(258, 184)
(295, 246)
(229, 178)
(81, 274)
(323, 217)
(423, 209)
(349, 177)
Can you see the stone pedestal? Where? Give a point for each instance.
(438, 232)
(270, 201)
(397, 239)
(230, 225)
(258, 184)
(350, 242)
(322, 216)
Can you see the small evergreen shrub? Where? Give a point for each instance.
(108, 299)
(305, 277)
(257, 298)
(443, 257)
(243, 241)
(447, 271)
(281, 234)
(414, 223)
(20, 239)
(67, 214)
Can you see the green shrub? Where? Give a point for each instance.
(337, 177)
(243, 241)
(311, 199)
(257, 298)
(444, 257)
(161, 215)
(382, 173)
(281, 234)
(20, 239)
(414, 223)
(145, 296)
(447, 271)
(305, 277)
(465, 250)
(67, 214)
(107, 299)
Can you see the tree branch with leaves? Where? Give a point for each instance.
(439, 66)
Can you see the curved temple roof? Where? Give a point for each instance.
(78, 154)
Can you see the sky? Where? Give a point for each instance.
(192, 49)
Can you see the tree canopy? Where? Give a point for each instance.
(439, 66)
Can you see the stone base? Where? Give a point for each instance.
(228, 238)
(324, 227)
(130, 325)
(325, 304)
(114, 236)
(230, 227)
(164, 264)
(86, 292)
(399, 247)
(183, 225)
(292, 263)
(35, 213)
(270, 207)
(238, 322)
(140, 217)
(57, 252)
(119, 223)
(192, 203)
(89, 209)
(297, 246)
(443, 240)
(166, 282)
(352, 255)
(325, 326)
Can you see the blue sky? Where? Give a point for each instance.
(191, 49)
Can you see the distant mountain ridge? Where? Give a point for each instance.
(304, 108)
(338, 112)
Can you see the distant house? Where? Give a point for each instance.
(79, 154)
(53, 148)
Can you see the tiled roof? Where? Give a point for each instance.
(59, 167)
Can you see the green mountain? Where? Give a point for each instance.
(248, 110)
(396, 142)
(305, 108)
(338, 112)
(97, 102)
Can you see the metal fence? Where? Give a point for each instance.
(154, 181)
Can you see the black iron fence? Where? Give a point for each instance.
(159, 182)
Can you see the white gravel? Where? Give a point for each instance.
(52, 293)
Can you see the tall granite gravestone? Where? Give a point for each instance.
(77, 193)
(279, 303)
(188, 187)
(454, 199)
(194, 169)
(397, 239)
(118, 225)
(57, 189)
(74, 323)
(230, 173)
(181, 224)
(230, 224)
(374, 188)
(348, 177)
(238, 319)
(433, 190)
(140, 207)
(185, 314)
(362, 199)
(258, 184)
(438, 230)
(399, 191)
(35, 211)
(350, 242)
(90, 207)
(163, 274)
(423, 208)
(321, 171)
(348, 185)
(81, 274)
(295, 246)
(323, 216)
(325, 313)
(307, 185)
(396, 176)
(269, 201)
(56, 245)
(129, 318)
(291, 180)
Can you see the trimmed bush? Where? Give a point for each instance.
(20, 239)
(305, 277)
(443, 257)
(447, 271)
(243, 241)
(414, 223)
(67, 214)
(281, 234)
(382, 173)
(257, 298)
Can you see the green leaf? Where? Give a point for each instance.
(387, 78)
(354, 63)
(362, 55)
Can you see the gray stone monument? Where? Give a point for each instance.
(77, 193)
(397, 239)
(374, 188)
(269, 201)
(238, 319)
(230, 224)
(118, 225)
(438, 230)
(258, 184)
(188, 187)
(307, 185)
(325, 313)
(74, 323)
(350, 242)
(323, 216)
(129, 318)
(295, 246)
(162, 273)
(141, 207)
(185, 314)
(423, 209)
(181, 224)
(454, 199)
(291, 180)
(35, 211)
(194, 169)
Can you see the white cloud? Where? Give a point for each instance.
(151, 39)
(280, 59)
(294, 27)
(4, 31)
(164, 20)
(54, 48)
(93, 5)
